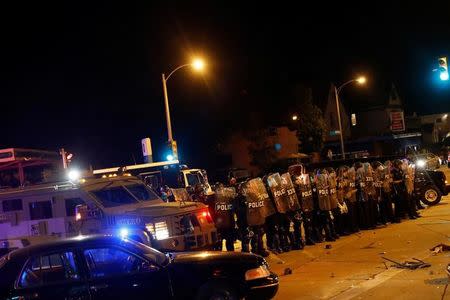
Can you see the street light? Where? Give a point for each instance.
(198, 65)
(294, 117)
(360, 80)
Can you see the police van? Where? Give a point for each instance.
(34, 204)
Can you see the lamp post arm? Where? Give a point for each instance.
(344, 84)
(176, 69)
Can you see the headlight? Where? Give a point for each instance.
(420, 163)
(123, 233)
(161, 230)
(260, 272)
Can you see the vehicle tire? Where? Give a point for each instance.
(431, 195)
(217, 291)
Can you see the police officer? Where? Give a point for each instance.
(386, 192)
(243, 232)
(224, 210)
(362, 195)
(293, 213)
(324, 204)
(304, 191)
(258, 208)
(370, 189)
(342, 219)
(352, 200)
(334, 204)
(277, 224)
(399, 190)
(408, 170)
(378, 171)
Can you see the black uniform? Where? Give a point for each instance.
(386, 212)
(371, 194)
(378, 172)
(362, 196)
(342, 219)
(409, 188)
(352, 200)
(334, 203)
(399, 190)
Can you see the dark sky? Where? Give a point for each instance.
(86, 76)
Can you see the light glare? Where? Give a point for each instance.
(361, 80)
(74, 175)
(198, 64)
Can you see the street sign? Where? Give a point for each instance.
(397, 121)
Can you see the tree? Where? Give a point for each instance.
(311, 126)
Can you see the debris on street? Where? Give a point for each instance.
(440, 248)
(412, 265)
(287, 271)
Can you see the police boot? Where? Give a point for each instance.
(260, 250)
(308, 233)
(276, 244)
(245, 247)
(419, 204)
(328, 235)
(285, 245)
(318, 236)
(298, 243)
(246, 240)
(333, 230)
(296, 240)
(309, 241)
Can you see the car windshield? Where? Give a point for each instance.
(153, 254)
(194, 178)
(141, 192)
(114, 196)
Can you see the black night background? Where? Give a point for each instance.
(87, 76)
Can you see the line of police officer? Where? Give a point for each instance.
(327, 203)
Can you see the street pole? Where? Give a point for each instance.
(339, 121)
(166, 104)
(198, 64)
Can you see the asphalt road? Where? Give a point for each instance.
(353, 267)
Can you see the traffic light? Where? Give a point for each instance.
(443, 68)
(173, 151)
(66, 158)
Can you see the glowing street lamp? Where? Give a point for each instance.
(198, 64)
(294, 118)
(360, 80)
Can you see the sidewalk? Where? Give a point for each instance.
(353, 267)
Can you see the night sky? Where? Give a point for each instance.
(87, 76)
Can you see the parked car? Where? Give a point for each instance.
(106, 267)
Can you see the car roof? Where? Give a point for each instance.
(78, 241)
